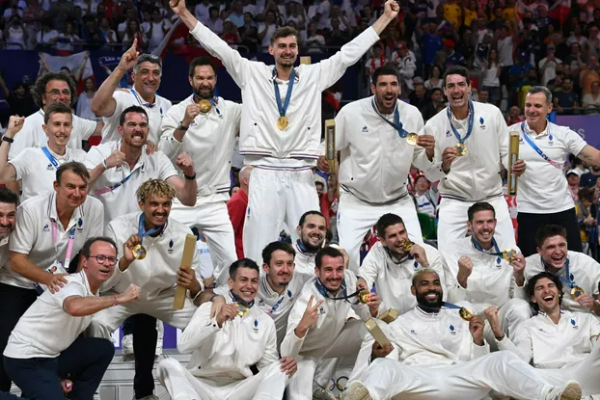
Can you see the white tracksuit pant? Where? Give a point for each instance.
(268, 384)
(210, 216)
(105, 322)
(502, 371)
(347, 343)
(276, 196)
(453, 218)
(356, 217)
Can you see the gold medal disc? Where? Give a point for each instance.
(465, 314)
(461, 150)
(242, 309)
(363, 296)
(205, 106)
(282, 123)
(139, 252)
(407, 245)
(509, 255)
(576, 292)
(412, 139)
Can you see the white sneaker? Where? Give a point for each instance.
(322, 394)
(356, 390)
(127, 345)
(569, 391)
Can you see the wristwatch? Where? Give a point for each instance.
(182, 127)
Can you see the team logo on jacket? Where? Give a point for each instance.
(50, 167)
(413, 332)
(482, 123)
(170, 249)
(80, 225)
(365, 129)
(452, 330)
(321, 310)
(574, 324)
(448, 134)
(550, 140)
(46, 228)
(256, 325)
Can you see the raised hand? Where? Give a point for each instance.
(129, 58)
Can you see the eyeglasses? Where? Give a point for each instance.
(56, 92)
(101, 258)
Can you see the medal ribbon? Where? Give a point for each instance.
(496, 248)
(450, 305)
(569, 280)
(323, 290)
(470, 126)
(69, 245)
(238, 299)
(283, 107)
(50, 157)
(397, 125)
(143, 233)
(537, 149)
(140, 100)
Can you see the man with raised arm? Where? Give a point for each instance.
(281, 117)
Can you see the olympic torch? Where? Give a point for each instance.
(513, 156)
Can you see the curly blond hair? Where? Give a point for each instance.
(156, 187)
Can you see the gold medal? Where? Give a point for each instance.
(407, 245)
(461, 150)
(412, 139)
(465, 314)
(363, 296)
(242, 309)
(139, 252)
(282, 123)
(509, 255)
(205, 106)
(576, 292)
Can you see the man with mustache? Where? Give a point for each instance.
(373, 136)
(553, 338)
(478, 272)
(51, 88)
(46, 345)
(226, 347)
(311, 231)
(545, 147)
(208, 136)
(471, 142)
(109, 102)
(435, 354)
(317, 327)
(281, 120)
(390, 267)
(36, 167)
(52, 229)
(574, 269)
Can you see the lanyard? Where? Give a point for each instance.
(569, 280)
(238, 299)
(140, 100)
(496, 252)
(69, 245)
(143, 233)
(276, 306)
(397, 125)
(115, 186)
(50, 157)
(470, 126)
(537, 149)
(323, 290)
(282, 107)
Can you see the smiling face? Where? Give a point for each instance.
(147, 78)
(386, 91)
(156, 210)
(546, 295)
(457, 90)
(554, 251)
(536, 108)
(312, 232)
(8, 218)
(57, 91)
(72, 190)
(331, 273)
(428, 290)
(281, 268)
(483, 227)
(395, 235)
(245, 283)
(204, 81)
(285, 51)
(59, 128)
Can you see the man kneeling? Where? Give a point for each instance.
(227, 346)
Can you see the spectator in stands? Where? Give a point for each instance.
(84, 101)
(437, 101)
(585, 216)
(46, 36)
(405, 64)
(435, 80)
(92, 35)
(249, 33)
(566, 101)
(594, 40)
(19, 100)
(236, 14)
(573, 181)
(108, 34)
(431, 43)
(203, 11)
(453, 57)
(130, 14)
(297, 14)
(314, 40)
(591, 101)
(418, 97)
(491, 77)
(377, 58)
(133, 32)
(424, 198)
(514, 116)
(266, 29)
(230, 33)
(67, 40)
(483, 95)
(548, 64)
(15, 34)
(155, 30)
(590, 179)
(336, 37)
(214, 21)
(237, 206)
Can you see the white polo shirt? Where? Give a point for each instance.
(32, 134)
(46, 329)
(33, 233)
(393, 280)
(157, 272)
(127, 98)
(476, 175)
(490, 283)
(37, 172)
(548, 345)
(304, 261)
(375, 160)
(209, 141)
(541, 177)
(122, 200)
(4, 256)
(584, 271)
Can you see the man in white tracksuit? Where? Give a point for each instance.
(372, 136)
(225, 347)
(317, 327)
(390, 267)
(563, 341)
(471, 141)
(436, 355)
(311, 230)
(281, 121)
(477, 272)
(208, 137)
(574, 269)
